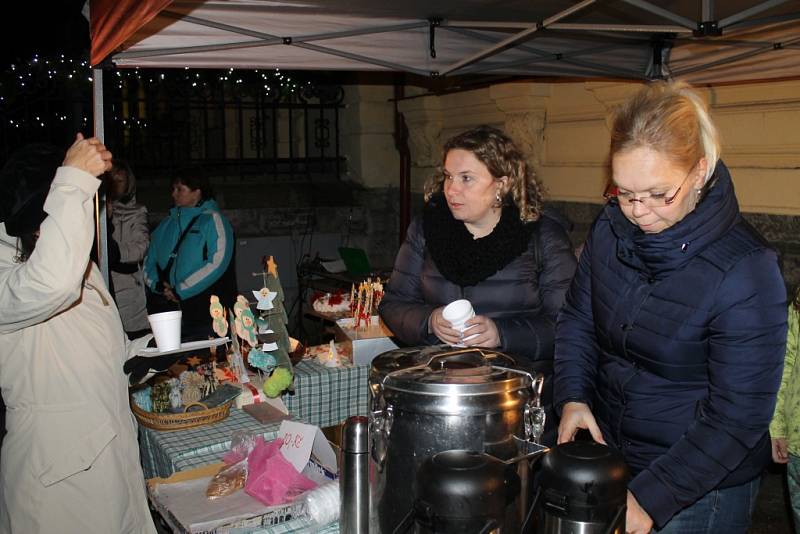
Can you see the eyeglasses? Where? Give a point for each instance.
(654, 200)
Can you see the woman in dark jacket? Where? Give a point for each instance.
(670, 344)
(483, 238)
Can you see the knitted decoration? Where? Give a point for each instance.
(274, 385)
(262, 360)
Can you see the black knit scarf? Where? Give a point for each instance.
(464, 260)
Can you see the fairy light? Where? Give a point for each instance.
(59, 74)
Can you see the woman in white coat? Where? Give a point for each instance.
(70, 461)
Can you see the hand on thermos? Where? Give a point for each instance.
(577, 415)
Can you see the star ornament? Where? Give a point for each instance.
(265, 298)
(272, 267)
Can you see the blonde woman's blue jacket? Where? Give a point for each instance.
(676, 341)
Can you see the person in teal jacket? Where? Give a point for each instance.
(191, 256)
(785, 426)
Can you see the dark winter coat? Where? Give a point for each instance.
(523, 298)
(676, 342)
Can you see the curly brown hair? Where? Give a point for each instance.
(501, 156)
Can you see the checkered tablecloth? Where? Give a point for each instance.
(323, 396)
(326, 396)
(163, 453)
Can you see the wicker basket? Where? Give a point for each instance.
(178, 421)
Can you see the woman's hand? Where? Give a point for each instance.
(780, 450)
(637, 521)
(442, 328)
(484, 330)
(88, 155)
(575, 415)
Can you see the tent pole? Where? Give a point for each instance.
(576, 26)
(732, 59)
(506, 43)
(101, 224)
(763, 6)
(708, 10)
(674, 17)
(566, 57)
(401, 143)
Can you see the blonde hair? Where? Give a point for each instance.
(670, 118)
(501, 156)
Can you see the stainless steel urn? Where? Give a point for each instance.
(433, 399)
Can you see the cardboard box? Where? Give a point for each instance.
(182, 502)
(191, 484)
(368, 341)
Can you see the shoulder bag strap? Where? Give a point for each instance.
(163, 274)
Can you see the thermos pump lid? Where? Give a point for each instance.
(583, 480)
(355, 435)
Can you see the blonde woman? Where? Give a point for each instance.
(670, 344)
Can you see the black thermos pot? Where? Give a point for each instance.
(583, 489)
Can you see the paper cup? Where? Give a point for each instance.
(166, 329)
(458, 312)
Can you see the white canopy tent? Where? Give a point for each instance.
(701, 41)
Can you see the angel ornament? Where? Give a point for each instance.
(265, 298)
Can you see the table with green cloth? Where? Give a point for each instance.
(323, 396)
(165, 452)
(326, 396)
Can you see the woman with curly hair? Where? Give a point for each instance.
(483, 237)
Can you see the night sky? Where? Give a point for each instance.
(45, 27)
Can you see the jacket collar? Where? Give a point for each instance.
(204, 206)
(659, 254)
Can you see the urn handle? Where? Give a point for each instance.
(380, 426)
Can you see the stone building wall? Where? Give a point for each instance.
(564, 130)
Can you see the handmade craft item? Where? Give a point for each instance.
(272, 356)
(159, 394)
(364, 302)
(192, 384)
(264, 298)
(175, 401)
(217, 311)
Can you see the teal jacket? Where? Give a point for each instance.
(202, 257)
(786, 421)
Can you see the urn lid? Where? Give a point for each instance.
(446, 370)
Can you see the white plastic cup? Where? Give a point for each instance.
(166, 329)
(457, 313)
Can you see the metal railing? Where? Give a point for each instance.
(236, 126)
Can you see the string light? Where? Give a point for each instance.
(74, 77)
